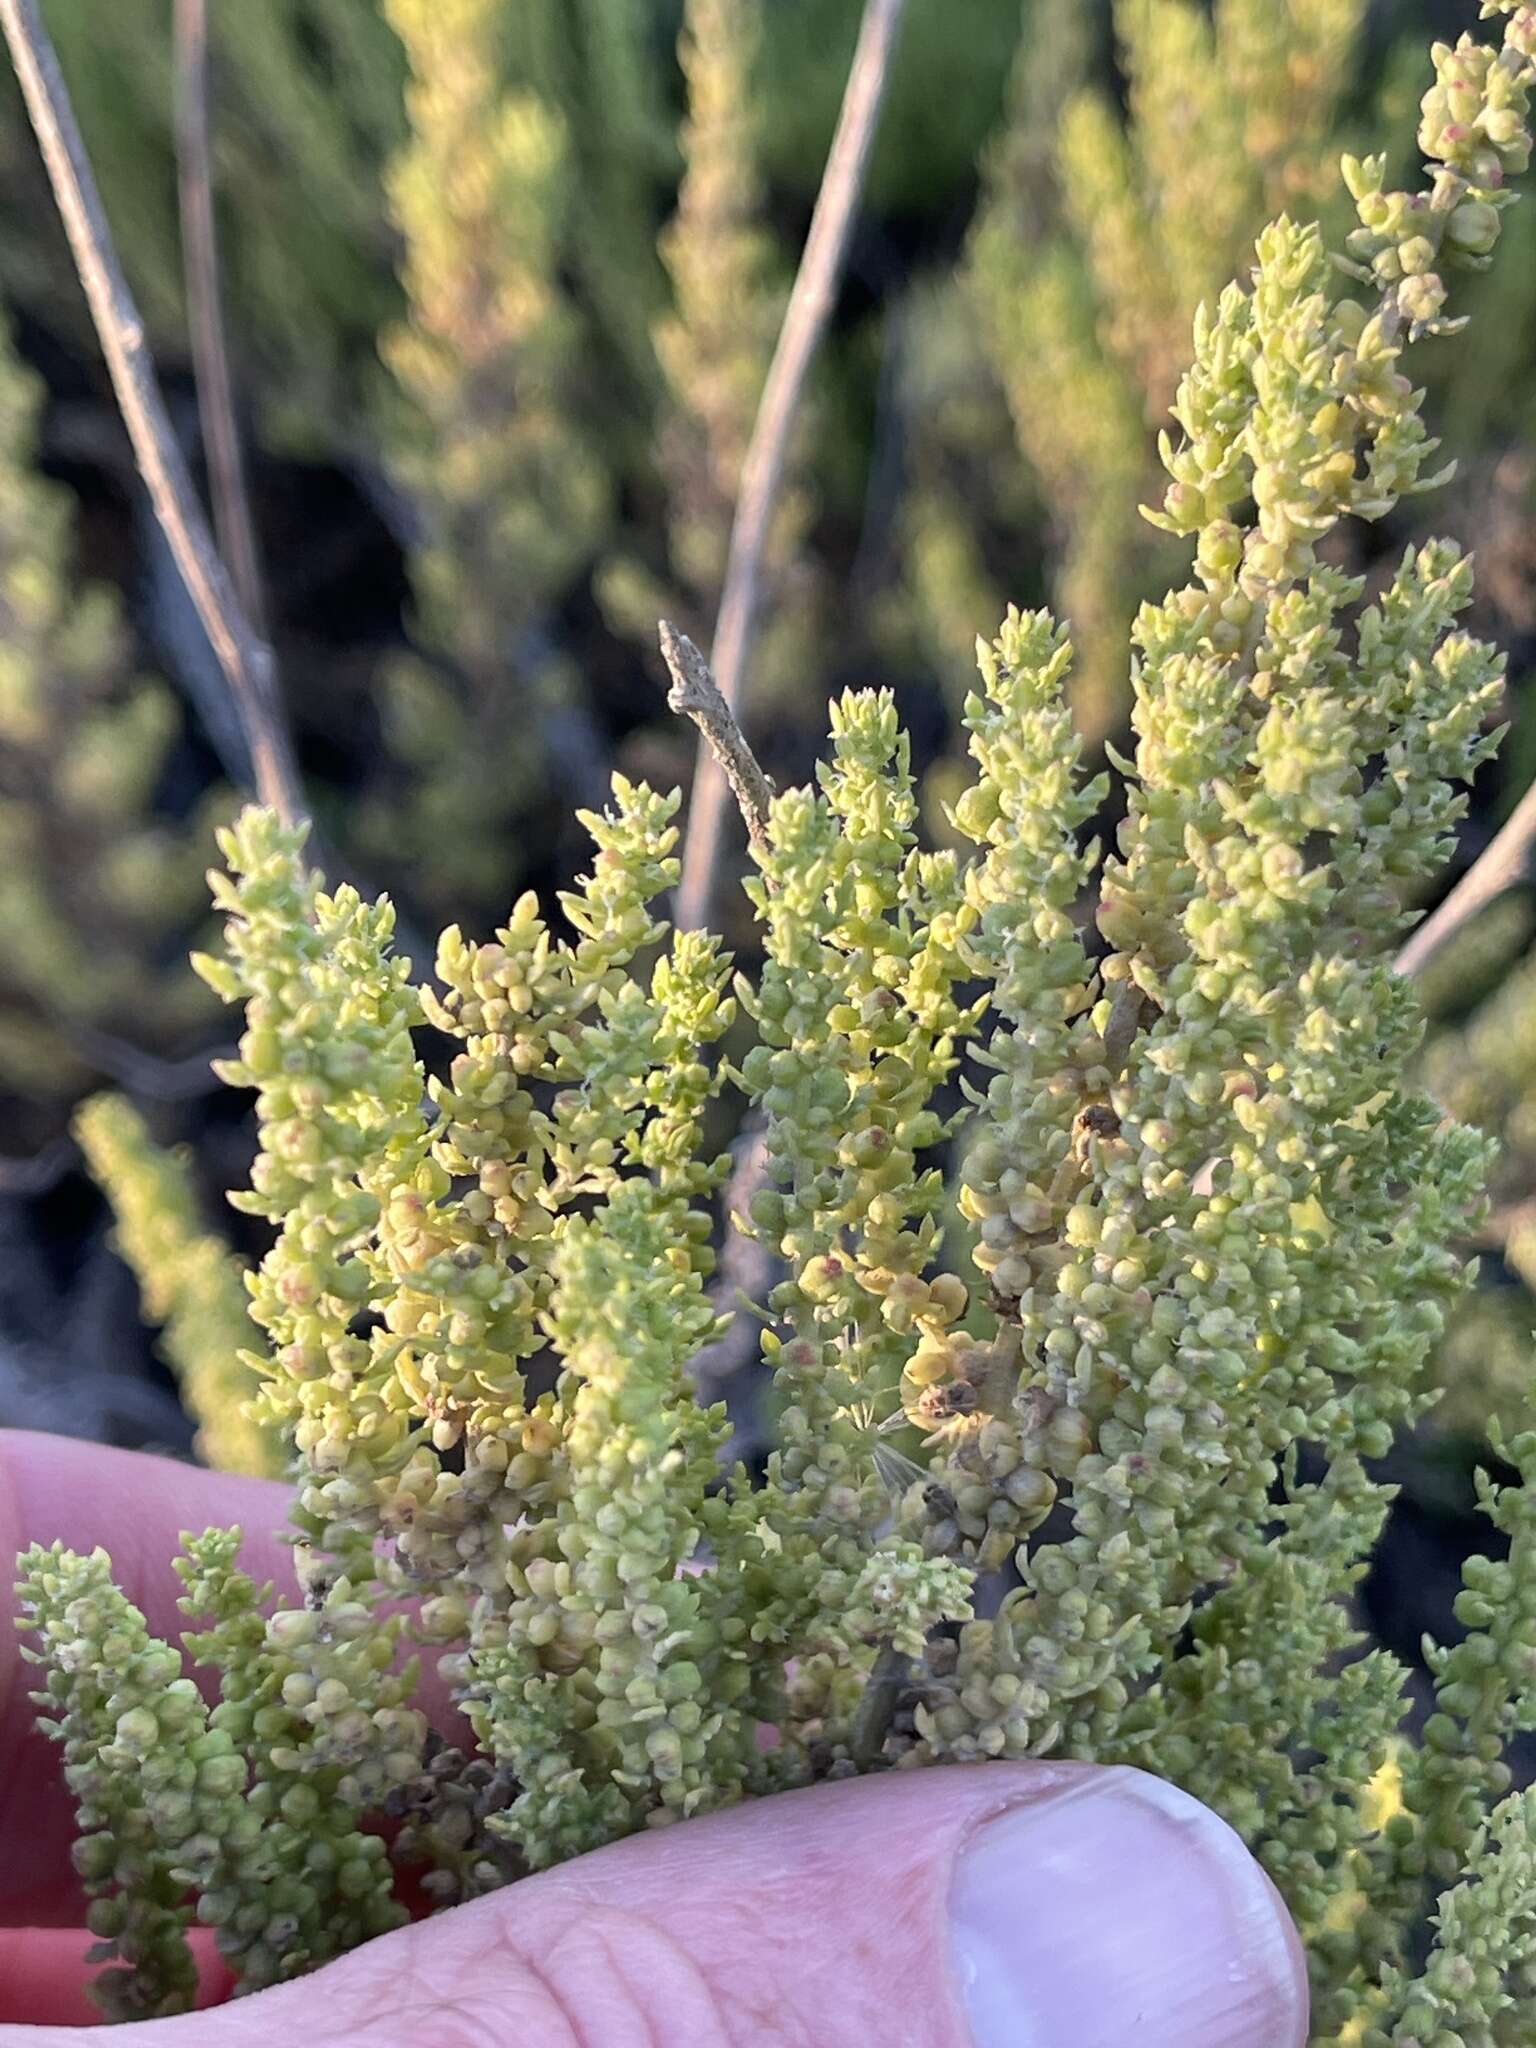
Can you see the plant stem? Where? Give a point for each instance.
(696, 695)
(805, 320)
(877, 1705)
(1504, 861)
(245, 659)
(227, 489)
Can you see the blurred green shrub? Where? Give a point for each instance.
(508, 480)
(99, 891)
(307, 108)
(191, 1284)
(1103, 226)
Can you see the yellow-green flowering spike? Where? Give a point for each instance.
(1476, 1984)
(601, 1634)
(858, 1022)
(1232, 1210)
(688, 988)
(859, 1018)
(190, 1282)
(715, 344)
(483, 430)
(634, 863)
(327, 1044)
(518, 1004)
(1049, 1068)
(595, 1690)
(1271, 1716)
(161, 1793)
(94, 881)
(572, 1075)
(498, 1001)
(1103, 226)
(1485, 1686)
(309, 1699)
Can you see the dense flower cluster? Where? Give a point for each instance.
(1110, 1504)
(1103, 226)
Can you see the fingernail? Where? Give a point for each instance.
(1115, 1908)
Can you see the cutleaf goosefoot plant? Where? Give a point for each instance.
(1066, 1517)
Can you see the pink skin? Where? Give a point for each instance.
(851, 1913)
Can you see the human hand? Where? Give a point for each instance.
(1000, 1906)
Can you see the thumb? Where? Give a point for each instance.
(999, 1906)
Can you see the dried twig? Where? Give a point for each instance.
(805, 319)
(146, 1073)
(890, 1674)
(244, 657)
(40, 1174)
(1504, 861)
(729, 1369)
(205, 316)
(697, 695)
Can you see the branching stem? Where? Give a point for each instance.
(805, 320)
(244, 657)
(1505, 861)
(227, 489)
(696, 695)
